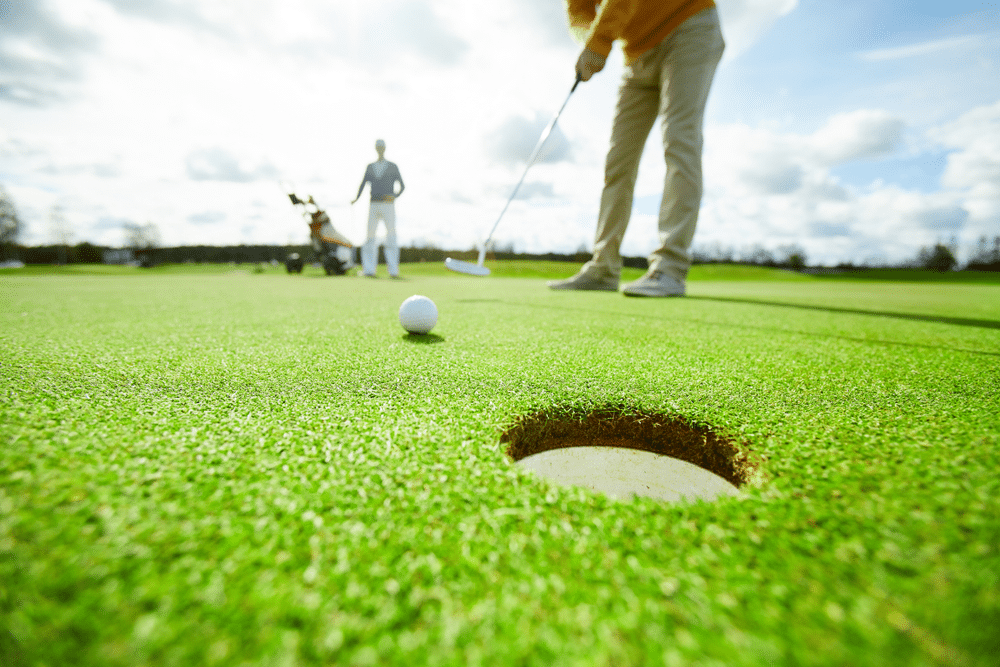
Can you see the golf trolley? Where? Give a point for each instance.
(331, 248)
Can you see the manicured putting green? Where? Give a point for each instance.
(229, 466)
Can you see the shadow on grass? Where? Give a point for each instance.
(669, 315)
(422, 339)
(11, 652)
(960, 321)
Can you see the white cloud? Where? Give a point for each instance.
(975, 136)
(207, 217)
(774, 188)
(192, 101)
(186, 112)
(857, 135)
(744, 22)
(514, 140)
(888, 224)
(973, 168)
(163, 11)
(921, 49)
(39, 53)
(218, 164)
(768, 162)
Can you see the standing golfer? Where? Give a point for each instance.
(382, 175)
(672, 48)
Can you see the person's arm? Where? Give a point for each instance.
(609, 24)
(399, 178)
(581, 13)
(602, 27)
(363, 181)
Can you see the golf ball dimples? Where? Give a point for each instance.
(418, 314)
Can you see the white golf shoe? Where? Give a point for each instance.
(655, 283)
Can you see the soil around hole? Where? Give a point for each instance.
(615, 426)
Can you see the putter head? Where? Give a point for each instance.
(468, 268)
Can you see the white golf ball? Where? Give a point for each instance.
(418, 314)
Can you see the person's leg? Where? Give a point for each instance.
(690, 57)
(391, 244)
(638, 103)
(635, 113)
(369, 251)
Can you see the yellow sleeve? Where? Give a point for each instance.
(609, 24)
(581, 13)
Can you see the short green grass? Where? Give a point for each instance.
(223, 467)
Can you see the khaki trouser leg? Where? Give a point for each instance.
(690, 56)
(638, 102)
(671, 81)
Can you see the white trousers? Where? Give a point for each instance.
(386, 212)
(670, 82)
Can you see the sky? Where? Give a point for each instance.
(857, 130)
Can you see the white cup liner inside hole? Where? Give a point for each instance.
(623, 473)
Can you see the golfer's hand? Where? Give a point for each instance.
(589, 64)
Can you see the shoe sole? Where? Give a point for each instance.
(652, 296)
(571, 288)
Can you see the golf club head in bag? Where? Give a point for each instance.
(321, 229)
(334, 250)
(478, 269)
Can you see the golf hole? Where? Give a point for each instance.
(624, 453)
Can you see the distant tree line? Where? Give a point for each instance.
(81, 253)
(789, 256)
(87, 253)
(143, 247)
(939, 257)
(986, 256)
(10, 226)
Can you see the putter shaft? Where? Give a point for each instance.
(531, 160)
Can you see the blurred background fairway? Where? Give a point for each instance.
(215, 465)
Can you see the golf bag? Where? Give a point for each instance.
(332, 249)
